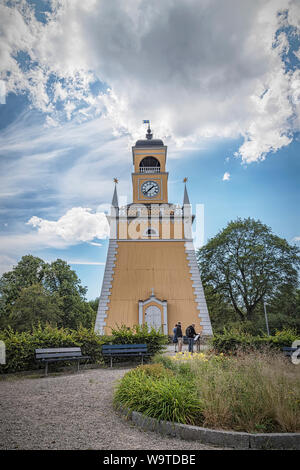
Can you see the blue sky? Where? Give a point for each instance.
(221, 87)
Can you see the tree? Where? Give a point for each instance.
(60, 279)
(246, 263)
(34, 306)
(55, 283)
(29, 271)
(94, 304)
(220, 310)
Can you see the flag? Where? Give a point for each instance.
(146, 121)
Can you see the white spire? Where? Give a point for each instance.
(186, 196)
(114, 201)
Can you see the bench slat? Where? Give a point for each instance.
(53, 355)
(58, 350)
(125, 351)
(121, 346)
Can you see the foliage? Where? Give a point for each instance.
(221, 312)
(34, 305)
(251, 392)
(233, 340)
(94, 304)
(246, 263)
(20, 346)
(157, 393)
(35, 291)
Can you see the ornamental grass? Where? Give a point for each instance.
(252, 392)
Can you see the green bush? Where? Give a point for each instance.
(20, 346)
(233, 340)
(158, 394)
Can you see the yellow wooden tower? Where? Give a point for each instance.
(151, 274)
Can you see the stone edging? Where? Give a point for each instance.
(236, 440)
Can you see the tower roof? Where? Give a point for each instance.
(149, 141)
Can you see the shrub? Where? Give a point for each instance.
(20, 346)
(231, 341)
(158, 394)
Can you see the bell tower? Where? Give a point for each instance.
(149, 179)
(151, 274)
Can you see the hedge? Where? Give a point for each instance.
(231, 341)
(20, 346)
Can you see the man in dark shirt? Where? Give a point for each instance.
(191, 333)
(179, 336)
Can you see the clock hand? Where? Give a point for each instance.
(150, 188)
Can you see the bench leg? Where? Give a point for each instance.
(77, 366)
(110, 361)
(142, 359)
(46, 369)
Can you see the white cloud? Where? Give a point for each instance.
(296, 239)
(226, 176)
(79, 224)
(6, 263)
(197, 69)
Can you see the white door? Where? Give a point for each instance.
(153, 317)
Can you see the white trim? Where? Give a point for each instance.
(198, 288)
(106, 287)
(119, 240)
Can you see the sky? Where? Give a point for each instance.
(219, 82)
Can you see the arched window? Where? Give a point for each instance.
(149, 165)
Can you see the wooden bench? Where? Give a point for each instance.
(123, 350)
(59, 354)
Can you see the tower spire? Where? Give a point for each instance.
(115, 202)
(186, 199)
(149, 134)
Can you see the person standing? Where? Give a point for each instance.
(179, 336)
(191, 333)
(175, 339)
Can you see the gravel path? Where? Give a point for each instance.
(72, 411)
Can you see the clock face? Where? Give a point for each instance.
(150, 188)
